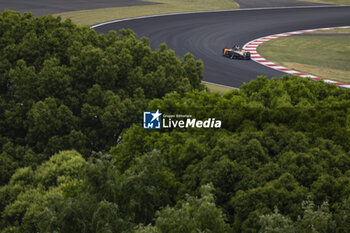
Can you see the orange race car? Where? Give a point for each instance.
(236, 53)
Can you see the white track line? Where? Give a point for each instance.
(255, 56)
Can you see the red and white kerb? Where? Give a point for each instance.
(255, 56)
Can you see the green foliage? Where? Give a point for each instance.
(192, 215)
(25, 199)
(274, 166)
(275, 223)
(275, 149)
(66, 87)
(315, 220)
(147, 186)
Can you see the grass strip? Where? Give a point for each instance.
(90, 17)
(218, 88)
(335, 31)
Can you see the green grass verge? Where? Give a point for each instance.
(90, 17)
(327, 57)
(218, 89)
(341, 30)
(335, 2)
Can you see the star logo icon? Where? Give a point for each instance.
(156, 115)
(151, 120)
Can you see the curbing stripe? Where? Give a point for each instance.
(255, 56)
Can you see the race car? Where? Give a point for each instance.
(236, 53)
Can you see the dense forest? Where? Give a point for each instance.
(75, 158)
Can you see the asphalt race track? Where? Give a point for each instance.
(44, 7)
(205, 34)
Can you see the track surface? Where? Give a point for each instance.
(205, 34)
(44, 7)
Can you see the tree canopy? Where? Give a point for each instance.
(280, 162)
